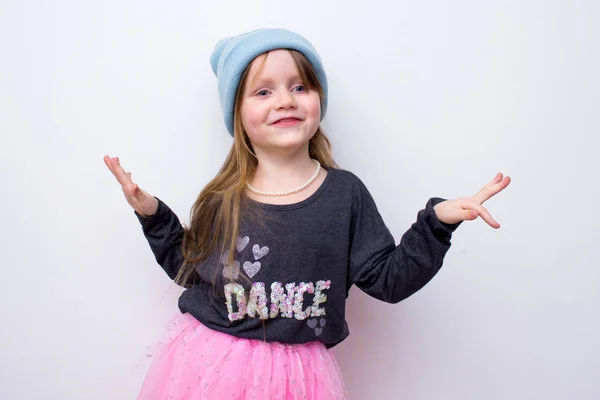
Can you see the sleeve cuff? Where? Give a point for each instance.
(151, 219)
(436, 224)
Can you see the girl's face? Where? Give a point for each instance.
(278, 112)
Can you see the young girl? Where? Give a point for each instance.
(277, 239)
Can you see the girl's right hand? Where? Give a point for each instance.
(142, 202)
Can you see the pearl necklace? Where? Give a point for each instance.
(299, 188)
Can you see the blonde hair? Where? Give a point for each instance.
(217, 213)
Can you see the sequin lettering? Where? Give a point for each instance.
(257, 303)
(280, 302)
(287, 303)
(320, 298)
(237, 290)
(299, 300)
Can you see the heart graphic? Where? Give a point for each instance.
(251, 268)
(242, 243)
(224, 257)
(312, 324)
(232, 271)
(259, 252)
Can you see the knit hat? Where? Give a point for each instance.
(232, 55)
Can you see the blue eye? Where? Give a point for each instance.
(263, 92)
(301, 87)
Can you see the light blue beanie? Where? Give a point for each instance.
(232, 55)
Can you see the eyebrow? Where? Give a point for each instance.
(266, 80)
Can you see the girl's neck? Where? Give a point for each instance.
(276, 174)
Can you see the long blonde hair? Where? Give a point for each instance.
(217, 213)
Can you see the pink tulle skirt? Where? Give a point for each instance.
(195, 362)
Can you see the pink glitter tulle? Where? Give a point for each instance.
(195, 362)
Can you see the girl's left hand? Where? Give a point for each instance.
(469, 208)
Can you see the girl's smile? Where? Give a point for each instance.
(285, 122)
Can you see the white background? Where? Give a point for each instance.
(426, 99)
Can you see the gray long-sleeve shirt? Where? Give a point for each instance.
(294, 271)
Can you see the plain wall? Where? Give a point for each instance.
(426, 99)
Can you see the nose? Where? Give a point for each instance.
(285, 100)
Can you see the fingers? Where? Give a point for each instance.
(492, 188)
(470, 214)
(488, 190)
(474, 209)
(124, 178)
